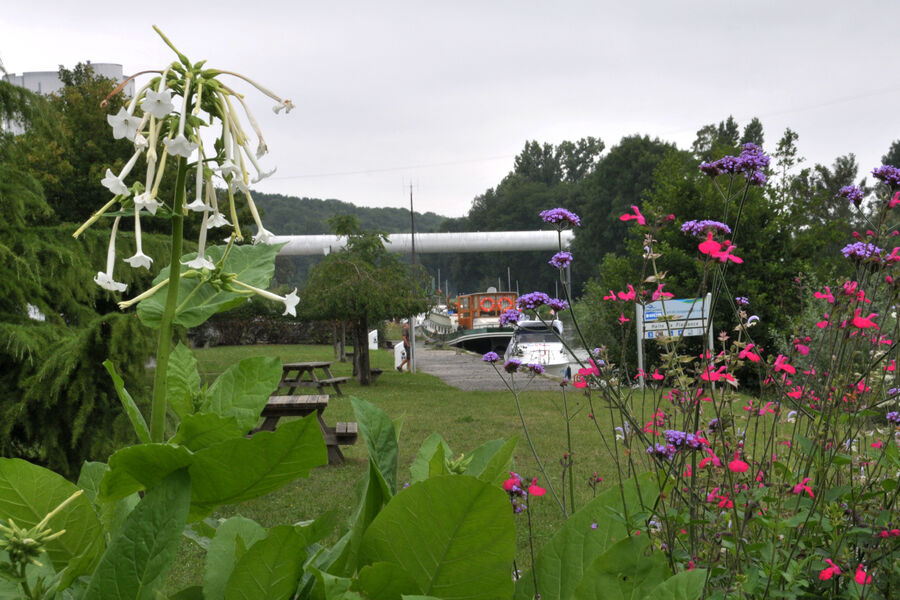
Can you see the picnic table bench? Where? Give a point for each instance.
(342, 434)
(303, 374)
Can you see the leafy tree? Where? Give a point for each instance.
(893, 155)
(618, 181)
(362, 284)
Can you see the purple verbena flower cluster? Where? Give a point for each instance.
(533, 300)
(560, 217)
(893, 417)
(851, 193)
(518, 494)
(888, 174)
(742, 301)
(536, 368)
(510, 316)
(490, 357)
(557, 304)
(512, 365)
(713, 425)
(561, 260)
(662, 451)
(751, 162)
(699, 228)
(860, 250)
(682, 438)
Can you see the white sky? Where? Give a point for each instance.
(443, 96)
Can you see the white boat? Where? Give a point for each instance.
(537, 342)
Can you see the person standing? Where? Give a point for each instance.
(405, 360)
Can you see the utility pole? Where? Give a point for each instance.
(412, 318)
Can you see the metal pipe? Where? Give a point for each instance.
(432, 243)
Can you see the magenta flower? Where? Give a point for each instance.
(803, 487)
(830, 571)
(637, 216)
(861, 577)
(737, 465)
(535, 490)
(781, 364)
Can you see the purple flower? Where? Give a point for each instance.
(851, 193)
(536, 368)
(860, 250)
(510, 316)
(661, 451)
(699, 228)
(742, 301)
(893, 417)
(512, 365)
(557, 304)
(533, 300)
(674, 438)
(560, 217)
(713, 425)
(491, 357)
(750, 162)
(561, 260)
(888, 174)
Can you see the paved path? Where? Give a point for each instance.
(466, 371)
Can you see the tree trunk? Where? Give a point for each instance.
(361, 350)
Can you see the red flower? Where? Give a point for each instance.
(630, 295)
(802, 487)
(861, 577)
(737, 465)
(709, 246)
(829, 572)
(637, 216)
(781, 364)
(535, 490)
(512, 482)
(748, 354)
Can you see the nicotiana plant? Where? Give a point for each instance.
(793, 492)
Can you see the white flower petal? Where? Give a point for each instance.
(262, 175)
(123, 124)
(263, 236)
(158, 104)
(198, 206)
(114, 184)
(145, 201)
(139, 260)
(201, 262)
(180, 146)
(217, 220)
(290, 303)
(108, 283)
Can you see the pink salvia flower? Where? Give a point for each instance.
(535, 490)
(725, 254)
(737, 465)
(826, 295)
(863, 322)
(709, 246)
(861, 577)
(748, 354)
(637, 216)
(661, 294)
(894, 201)
(781, 364)
(830, 571)
(803, 487)
(629, 295)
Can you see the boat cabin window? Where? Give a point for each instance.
(535, 337)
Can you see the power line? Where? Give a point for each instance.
(389, 169)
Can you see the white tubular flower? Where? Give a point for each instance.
(115, 184)
(105, 278)
(139, 260)
(286, 106)
(263, 236)
(201, 262)
(124, 124)
(260, 174)
(290, 301)
(218, 220)
(147, 202)
(140, 142)
(159, 104)
(198, 205)
(180, 146)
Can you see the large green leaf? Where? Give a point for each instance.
(198, 301)
(137, 468)
(244, 468)
(112, 513)
(28, 493)
(200, 430)
(583, 538)
(386, 581)
(343, 557)
(232, 539)
(623, 572)
(182, 381)
(380, 435)
(271, 567)
(136, 563)
(433, 445)
(453, 535)
(128, 403)
(243, 390)
(687, 585)
(492, 460)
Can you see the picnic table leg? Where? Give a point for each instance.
(335, 456)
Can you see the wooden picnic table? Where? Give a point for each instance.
(343, 434)
(304, 374)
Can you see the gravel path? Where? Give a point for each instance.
(466, 371)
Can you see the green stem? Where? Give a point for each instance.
(164, 347)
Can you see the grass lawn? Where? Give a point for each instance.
(423, 404)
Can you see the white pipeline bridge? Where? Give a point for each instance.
(432, 243)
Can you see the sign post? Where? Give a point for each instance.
(672, 318)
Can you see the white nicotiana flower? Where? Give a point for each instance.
(263, 236)
(218, 220)
(115, 184)
(180, 146)
(262, 175)
(290, 301)
(228, 168)
(237, 184)
(198, 205)
(201, 262)
(140, 142)
(147, 202)
(124, 125)
(139, 260)
(159, 104)
(286, 106)
(105, 278)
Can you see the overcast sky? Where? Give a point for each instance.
(444, 95)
